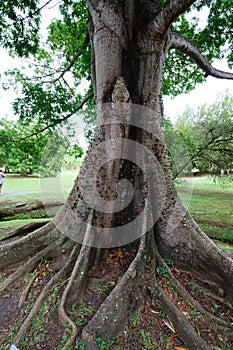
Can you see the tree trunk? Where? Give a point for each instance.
(129, 62)
(103, 210)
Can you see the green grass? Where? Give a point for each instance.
(211, 205)
(208, 184)
(17, 187)
(15, 223)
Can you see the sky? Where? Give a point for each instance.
(206, 92)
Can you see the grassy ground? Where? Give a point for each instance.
(18, 187)
(210, 203)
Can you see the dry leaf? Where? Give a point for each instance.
(154, 312)
(175, 335)
(6, 296)
(169, 325)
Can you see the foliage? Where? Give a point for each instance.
(53, 156)
(44, 153)
(19, 22)
(44, 95)
(215, 40)
(20, 155)
(208, 134)
(180, 73)
(54, 89)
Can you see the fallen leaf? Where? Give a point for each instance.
(169, 325)
(88, 292)
(154, 312)
(175, 335)
(7, 296)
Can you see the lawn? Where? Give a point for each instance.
(17, 187)
(211, 205)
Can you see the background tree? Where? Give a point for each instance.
(41, 153)
(207, 134)
(131, 48)
(21, 155)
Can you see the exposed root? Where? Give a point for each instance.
(217, 298)
(29, 266)
(74, 291)
(122, 303)
(25, 292)
(178, 319)
(25, 229)
(189, 247)
(27, 322)
(64, 318)
(186, 295)
(27, 207)
(78, 280)
(19, 250)
(110, 318)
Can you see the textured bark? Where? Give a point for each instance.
(14, 252)
(25, 229)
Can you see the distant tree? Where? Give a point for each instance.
(208, 135)
(19, 154)
(24, 150)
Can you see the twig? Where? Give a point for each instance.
(70, 65)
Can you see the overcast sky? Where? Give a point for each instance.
(206, 92)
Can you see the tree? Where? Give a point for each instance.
(131, 43)
(41, 154)
(21, 155)
(208, 135)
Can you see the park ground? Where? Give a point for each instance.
(33, 199)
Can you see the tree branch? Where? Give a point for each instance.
(38, 10)
(173, 9)
(185, 46)
(74, 59)
(55, 123)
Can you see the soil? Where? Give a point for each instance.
(148, 328)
